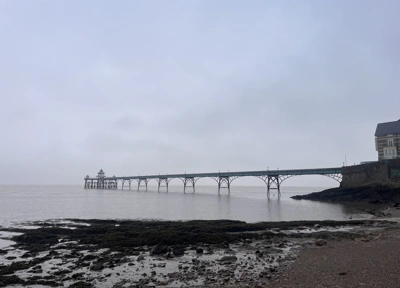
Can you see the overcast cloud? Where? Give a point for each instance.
(148, 87)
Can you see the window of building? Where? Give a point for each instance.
(390, 142)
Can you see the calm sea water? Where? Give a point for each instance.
(30, 203)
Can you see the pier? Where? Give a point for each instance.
(272, 178)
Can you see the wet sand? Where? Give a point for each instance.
(371, 261)
(348, 263)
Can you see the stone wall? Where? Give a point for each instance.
(382, 172)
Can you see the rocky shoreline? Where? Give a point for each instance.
(107, 253)
(375, 194)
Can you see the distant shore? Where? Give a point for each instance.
(113, 253)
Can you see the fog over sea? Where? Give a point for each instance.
(20, 204)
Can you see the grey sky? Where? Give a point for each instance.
(148, 87)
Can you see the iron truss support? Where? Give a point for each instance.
(123, 183)
(273, 182)
(337, 177)
(129, 181)
(108, 184)
(189, 181)
(144, 181)
(224, 182)
(100, 184)
(162, 181)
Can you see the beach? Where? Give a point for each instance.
(111, 253)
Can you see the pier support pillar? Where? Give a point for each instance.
(189, 180)
(273, 180)
(224, 182)
(162, 181)
(140, 181)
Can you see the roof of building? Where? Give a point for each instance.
(383, 129)
(101, 171)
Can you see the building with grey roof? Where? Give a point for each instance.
(387, 140)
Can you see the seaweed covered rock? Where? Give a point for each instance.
(376, 194)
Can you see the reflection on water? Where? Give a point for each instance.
(250, 204)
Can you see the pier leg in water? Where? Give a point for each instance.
(161, 181)
(144, 180)
(190, 180)
(224, 180)
(273, 180)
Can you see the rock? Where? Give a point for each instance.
(36, 269)
(97, 266)
(77, 275)
(27, 255)
(178, 252)
(175, 275)
(162, 265)
(321, 242)
(3, 252)
(81, 284)
(63, 272)
(159, 250)
(396, 204)
(140, 258)
(53, 253)
(317, 226)
(342, 273)
(228, 259)
(302, 228)
(88, 257)
(224, 244)
(11, 258)
(199, 250)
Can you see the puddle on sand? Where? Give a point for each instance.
(5, 237)
(5, 243)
